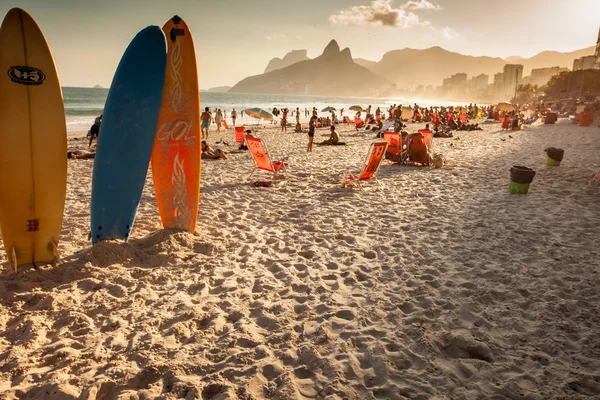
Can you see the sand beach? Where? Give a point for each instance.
(446, 289)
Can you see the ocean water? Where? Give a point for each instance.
(83, 105)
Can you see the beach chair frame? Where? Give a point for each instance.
(369, 169)
(262, 160)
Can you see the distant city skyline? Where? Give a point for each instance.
(237, 39)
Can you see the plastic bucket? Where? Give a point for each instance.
(520, 178)
(586, 118)
(555, 156)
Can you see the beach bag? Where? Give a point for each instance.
(419, 149)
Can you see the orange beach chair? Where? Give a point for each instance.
(418, 147)
(239, 134)
(358, 122)
(262, 160)
(395, 146)
(370, 167)
(346, 119)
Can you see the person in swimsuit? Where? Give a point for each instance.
(210, 153)
(334, 137)
(80, 155)
(206, 117)
(218, 119)
(284, 120)
(233, 116)
(312, 125)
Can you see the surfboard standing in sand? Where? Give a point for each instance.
(33, 143)
(127, 135)
(176, 154)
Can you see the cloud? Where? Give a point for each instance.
(449, 33)
(379, 12)
(277, 36)
(421, 5)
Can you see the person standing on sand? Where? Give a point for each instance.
(312, 125)
(284, 120)
(297, 115)
(205, 117)
(218, 119)
(233, 116)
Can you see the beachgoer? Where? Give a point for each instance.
(218, 119)
(284, 120)
(312, 125)
(80, 155)
(233, 116)
(341, 112)
(210, 153)
(95, 129)
(205, 117)
(334, 137)
(297, 115)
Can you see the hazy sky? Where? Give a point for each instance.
(235, 39)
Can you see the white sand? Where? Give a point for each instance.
(305, 290)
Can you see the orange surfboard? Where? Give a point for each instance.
(176, 154)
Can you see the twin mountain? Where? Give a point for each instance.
(336, 73)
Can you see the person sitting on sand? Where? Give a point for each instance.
(80, 155)
(334, 138)
(516, 123)
(210, 153)
(244, 144)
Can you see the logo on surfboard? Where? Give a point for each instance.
(25, 75)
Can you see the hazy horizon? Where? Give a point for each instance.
(235, 40)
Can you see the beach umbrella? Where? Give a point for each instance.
(327, 109)
(505, 107)
(259, 113)
(407, 113)
(460, 109)
(357, 108)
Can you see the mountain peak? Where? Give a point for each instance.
(290, 58)
(332, 48)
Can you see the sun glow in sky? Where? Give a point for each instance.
(236, 39)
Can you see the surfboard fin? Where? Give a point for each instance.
(55, 251)
(13, 259)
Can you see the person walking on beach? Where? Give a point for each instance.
(205, 117)
(284, 120)
(233, 116)
(341, 112)
(218, 119)
(312, 125)
(297, 115)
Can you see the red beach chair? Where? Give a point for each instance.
(371, 166)
(239, 134)
(346, 119)
(394, 148)
(358, 123)
(262, 160)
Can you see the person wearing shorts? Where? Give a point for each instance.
(311, 132)
(206, 117)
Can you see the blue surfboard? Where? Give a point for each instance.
(127, 136)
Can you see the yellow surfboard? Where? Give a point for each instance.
(33, 143)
